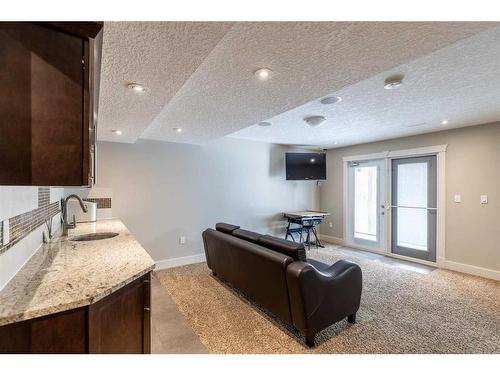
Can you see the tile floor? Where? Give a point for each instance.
(170, 332)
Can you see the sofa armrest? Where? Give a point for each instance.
(338, 269)
(321, 298)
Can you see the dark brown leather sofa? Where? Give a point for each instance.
(275, 274)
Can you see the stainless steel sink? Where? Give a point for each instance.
(93, 236)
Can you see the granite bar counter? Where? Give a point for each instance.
(64, 274)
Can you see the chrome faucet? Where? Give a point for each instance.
(66, 225)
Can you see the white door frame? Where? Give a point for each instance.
(440, 152)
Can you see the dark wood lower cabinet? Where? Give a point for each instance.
(119, 323)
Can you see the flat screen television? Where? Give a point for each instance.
(305, 166)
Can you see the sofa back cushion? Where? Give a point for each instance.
(247, 235)
(292, 249)
(226, 228)
(256, 271)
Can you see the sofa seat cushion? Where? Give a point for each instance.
(247, 235)
(226, 228)
(292, 249)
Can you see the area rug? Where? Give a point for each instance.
(401, 311)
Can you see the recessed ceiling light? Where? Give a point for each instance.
(263, 74)
(264, 123)
(330, 100)
(315, 120)
(178, 130)
(393, 82)
(116, 131)
(444, 122)
(136, 87)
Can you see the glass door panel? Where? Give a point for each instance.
(412, 228)
(366, 196)
(365, 203)
(414, 194)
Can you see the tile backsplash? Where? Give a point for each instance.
(101, 202)
(43, 196)
(23, 224)
(27, 209)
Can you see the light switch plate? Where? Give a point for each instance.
(484, 199)
(330, 224)
(5, 232)
(458, 198)
(182, 240)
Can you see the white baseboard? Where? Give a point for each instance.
(341, 242)
(332, 239)
(441, 263)
(181, 261)
(472, 270)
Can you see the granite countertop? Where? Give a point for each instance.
(64, 275)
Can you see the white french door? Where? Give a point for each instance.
(366, 192)
(395, 203)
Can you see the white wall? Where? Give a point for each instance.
(472, 169)
(164, 190)
(14, 201)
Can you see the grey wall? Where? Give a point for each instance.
(472, 169)
(164, 190)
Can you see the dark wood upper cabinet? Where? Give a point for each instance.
(49, 73)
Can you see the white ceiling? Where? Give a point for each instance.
(199, 76)
(158, 55)
(459, 83)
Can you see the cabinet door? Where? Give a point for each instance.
(62, 333)
(119, 323)
(41, 109)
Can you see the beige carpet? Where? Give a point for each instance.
(401, 311)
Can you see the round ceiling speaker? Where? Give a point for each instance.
(315, 120)
(330, 100)
(393, 82)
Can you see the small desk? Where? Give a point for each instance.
(307, 221)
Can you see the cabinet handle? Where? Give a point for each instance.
(147, 309)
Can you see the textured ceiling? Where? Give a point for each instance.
(158, 55)
(200, 75)
(459, 83)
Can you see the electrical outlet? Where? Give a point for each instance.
(458, 198)
(330, 224)
(182, 240)
(5, 232)
(484, 199)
